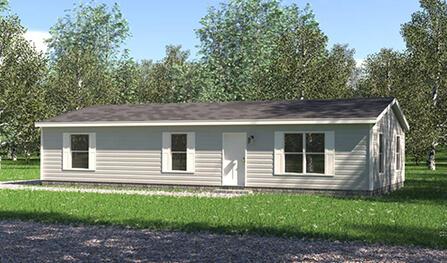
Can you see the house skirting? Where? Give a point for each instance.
(387, 189)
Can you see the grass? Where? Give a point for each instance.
(416, 214)
(19, 170)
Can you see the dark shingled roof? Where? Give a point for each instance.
(298, 109)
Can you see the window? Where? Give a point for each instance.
(178, 152)
(315, 153)
(304, 153)
(398, 154)
(79, 150)
(293, 152)
(381, 153)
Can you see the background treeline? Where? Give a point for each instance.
(249, 50)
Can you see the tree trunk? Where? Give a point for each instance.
(27, 156)
(431, 159)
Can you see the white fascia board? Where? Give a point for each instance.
(399, 114)
(206, 123)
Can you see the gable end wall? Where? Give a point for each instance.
(390, 127)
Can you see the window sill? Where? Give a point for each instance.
(304, 175)
(78, 169)
(177, 172)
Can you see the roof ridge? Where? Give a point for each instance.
(242, 102)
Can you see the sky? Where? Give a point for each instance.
(365, 25)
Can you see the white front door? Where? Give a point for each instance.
(233, 161)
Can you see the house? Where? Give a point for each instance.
(353, 145)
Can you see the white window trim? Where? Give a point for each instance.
(381, 159)
(66, 152)
(166, 166)
(281, 159)
(398, 154)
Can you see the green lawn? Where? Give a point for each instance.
(19, 170)
(417, 214)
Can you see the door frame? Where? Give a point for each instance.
(244, 134)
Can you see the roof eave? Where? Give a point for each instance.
(208, 123)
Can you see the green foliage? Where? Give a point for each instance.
(3, 5)
(417, 77)
(414, 215)
(391, 73)
(87, 60)
(22, 70)
(425, 36)
(89, 28)
(256, 49)
(126, 80)
(173, 79)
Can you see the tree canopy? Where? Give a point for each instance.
(22, 70)
(252, 48)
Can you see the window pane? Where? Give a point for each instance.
(79, 160)
(398, 153)
(79, 142)
(381, 155)
(315, 142)
(178, 142)
(179, 161)
(293, 142)
(315, 163)
(380, 143)
(294, 163)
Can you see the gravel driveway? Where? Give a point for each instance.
(217, 193)
(30, 241)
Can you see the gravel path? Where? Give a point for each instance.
(219, 193)
(35, 242)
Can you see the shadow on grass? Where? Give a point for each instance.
(398, 234)
(379, 233)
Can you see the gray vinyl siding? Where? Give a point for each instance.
(390, 127)
(133, 155)
(351, 165)
(128, 155)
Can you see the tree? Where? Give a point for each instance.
(86, 58)
(339, 69)
(89, 28)
(126, 80)
(22, 70)
(391, 73)
(385, 73)
(425, 38)
(3, 5)
(173, 79)
(254, 49)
